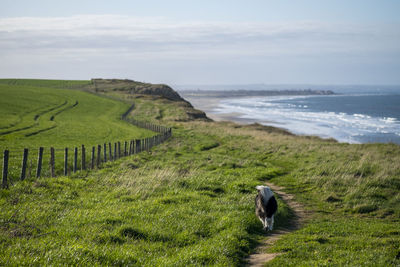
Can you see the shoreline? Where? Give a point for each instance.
(209, 105)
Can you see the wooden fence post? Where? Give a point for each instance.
(105, 152)
(125, 149)
(92, 158)
(39, 162)
(115, 151)
(110, 151)
(5, 168)
(24, 161)
(137, 147)
(52, 162)
(83, 160)
(98, 155)
(119, 149)
(75, 159)
(66, 161)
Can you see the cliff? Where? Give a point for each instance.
(134, 87)
(137, 89)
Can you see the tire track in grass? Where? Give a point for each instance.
(260, 257)
(19, 129)
(49, 110)
(35, 119)
(40, 131)
(64, 109)
(52, 119)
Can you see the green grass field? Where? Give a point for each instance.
(41, 113)
(190, 201)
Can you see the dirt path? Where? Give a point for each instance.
(260, 257)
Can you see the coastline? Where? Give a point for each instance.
(322, 124)
(208, 106)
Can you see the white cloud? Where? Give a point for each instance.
(108, 38)
(155, 34)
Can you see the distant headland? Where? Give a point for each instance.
(246, 93)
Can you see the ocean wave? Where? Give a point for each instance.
(351, 128)
(389, 120)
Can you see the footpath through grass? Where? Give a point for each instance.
(190, 201)
(186, 202)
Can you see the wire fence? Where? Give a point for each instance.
(53, 162)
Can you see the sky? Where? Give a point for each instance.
(203, 42)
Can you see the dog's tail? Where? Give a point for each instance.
(260, 187)
(265, 191)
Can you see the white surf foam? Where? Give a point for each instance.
(299, 120)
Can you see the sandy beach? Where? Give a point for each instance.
(210, 105)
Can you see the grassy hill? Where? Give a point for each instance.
(48, 113)
(190, 201)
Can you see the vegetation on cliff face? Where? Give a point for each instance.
(134, 87)
(129, 90)
(190, 201)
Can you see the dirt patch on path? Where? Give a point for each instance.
(260, 257)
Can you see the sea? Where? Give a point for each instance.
(359, 116)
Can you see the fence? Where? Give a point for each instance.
(89, 158)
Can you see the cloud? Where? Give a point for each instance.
(109, 39)
(158, 35)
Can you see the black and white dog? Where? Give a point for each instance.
(266, 206)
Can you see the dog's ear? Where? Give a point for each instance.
(259, 187)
